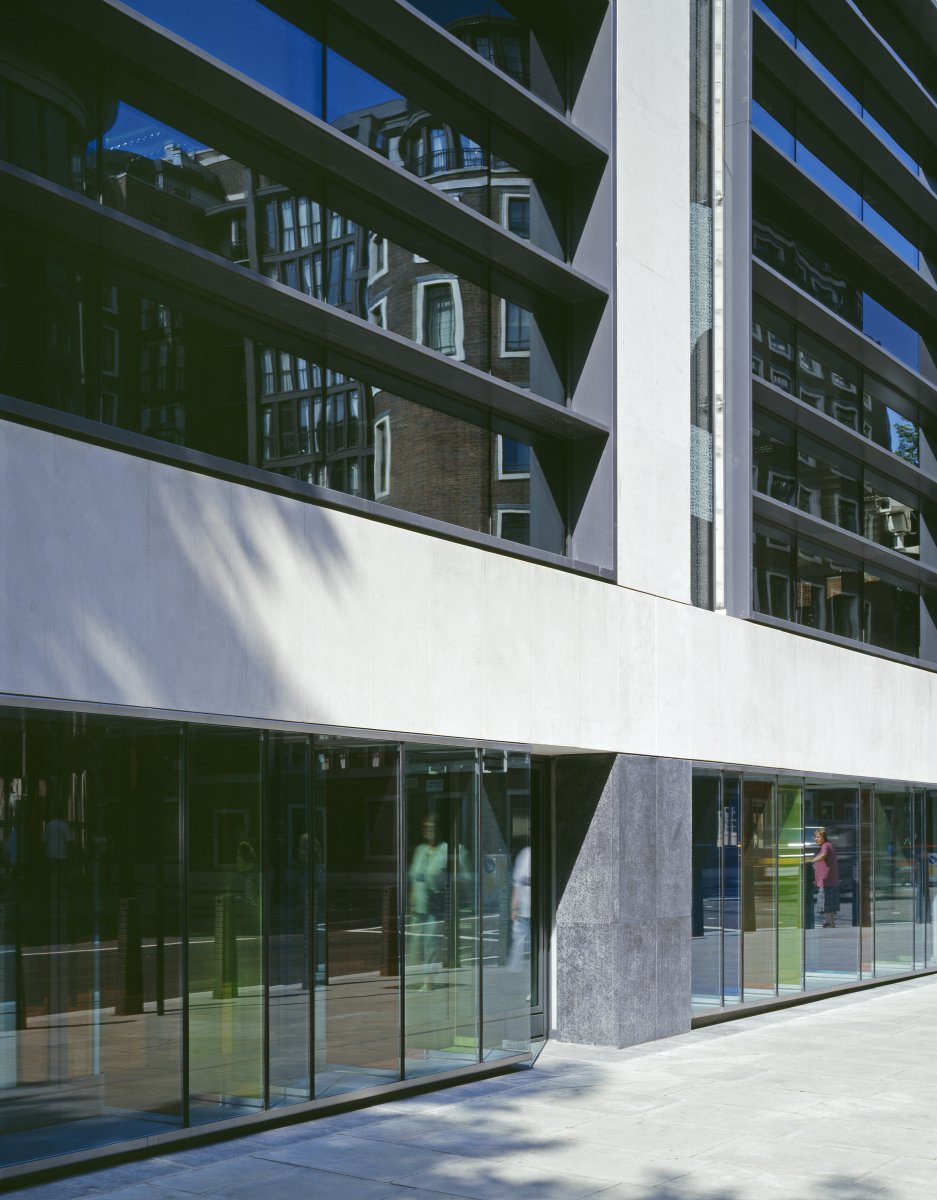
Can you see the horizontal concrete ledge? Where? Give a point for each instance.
(754, 1008)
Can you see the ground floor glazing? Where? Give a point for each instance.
(765, 926)
(199, 922)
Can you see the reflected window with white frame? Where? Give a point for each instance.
(513, 523)
(513, 458)
(516, 214)
(382, 457)
(377, 313)
(515, 329)
(377, 257)
(439, 316)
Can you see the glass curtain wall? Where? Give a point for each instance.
(199, 922)
(802, 885)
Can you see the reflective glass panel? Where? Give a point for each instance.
(894, 880)
(123, 356)
(831, 841)
(828, 484)
(793, 359)
(510, 896)
(351, 856)
(930, 890)
(251, 38)
(774, 463)
(442, 931)
(792, 245)
(487, 28)
(889, 520)
(225, 924)
(731, 888)
(90, 932)
(289, 934)
(919, 878)
(866, 880)
(790, 885)
(772, 347)
(828, 381)
(828, 592)
(759, 888)
(463, 163)
(773, 567)
(891, 420)
(707, 914)
(891, 613)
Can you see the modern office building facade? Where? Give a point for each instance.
(468, 475)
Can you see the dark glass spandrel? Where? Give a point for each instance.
(77, 341)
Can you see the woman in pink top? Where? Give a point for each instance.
(826, 877)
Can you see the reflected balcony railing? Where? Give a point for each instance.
(455, 159)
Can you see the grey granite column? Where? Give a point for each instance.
(623, 896)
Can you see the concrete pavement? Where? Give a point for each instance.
(835, 1100)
